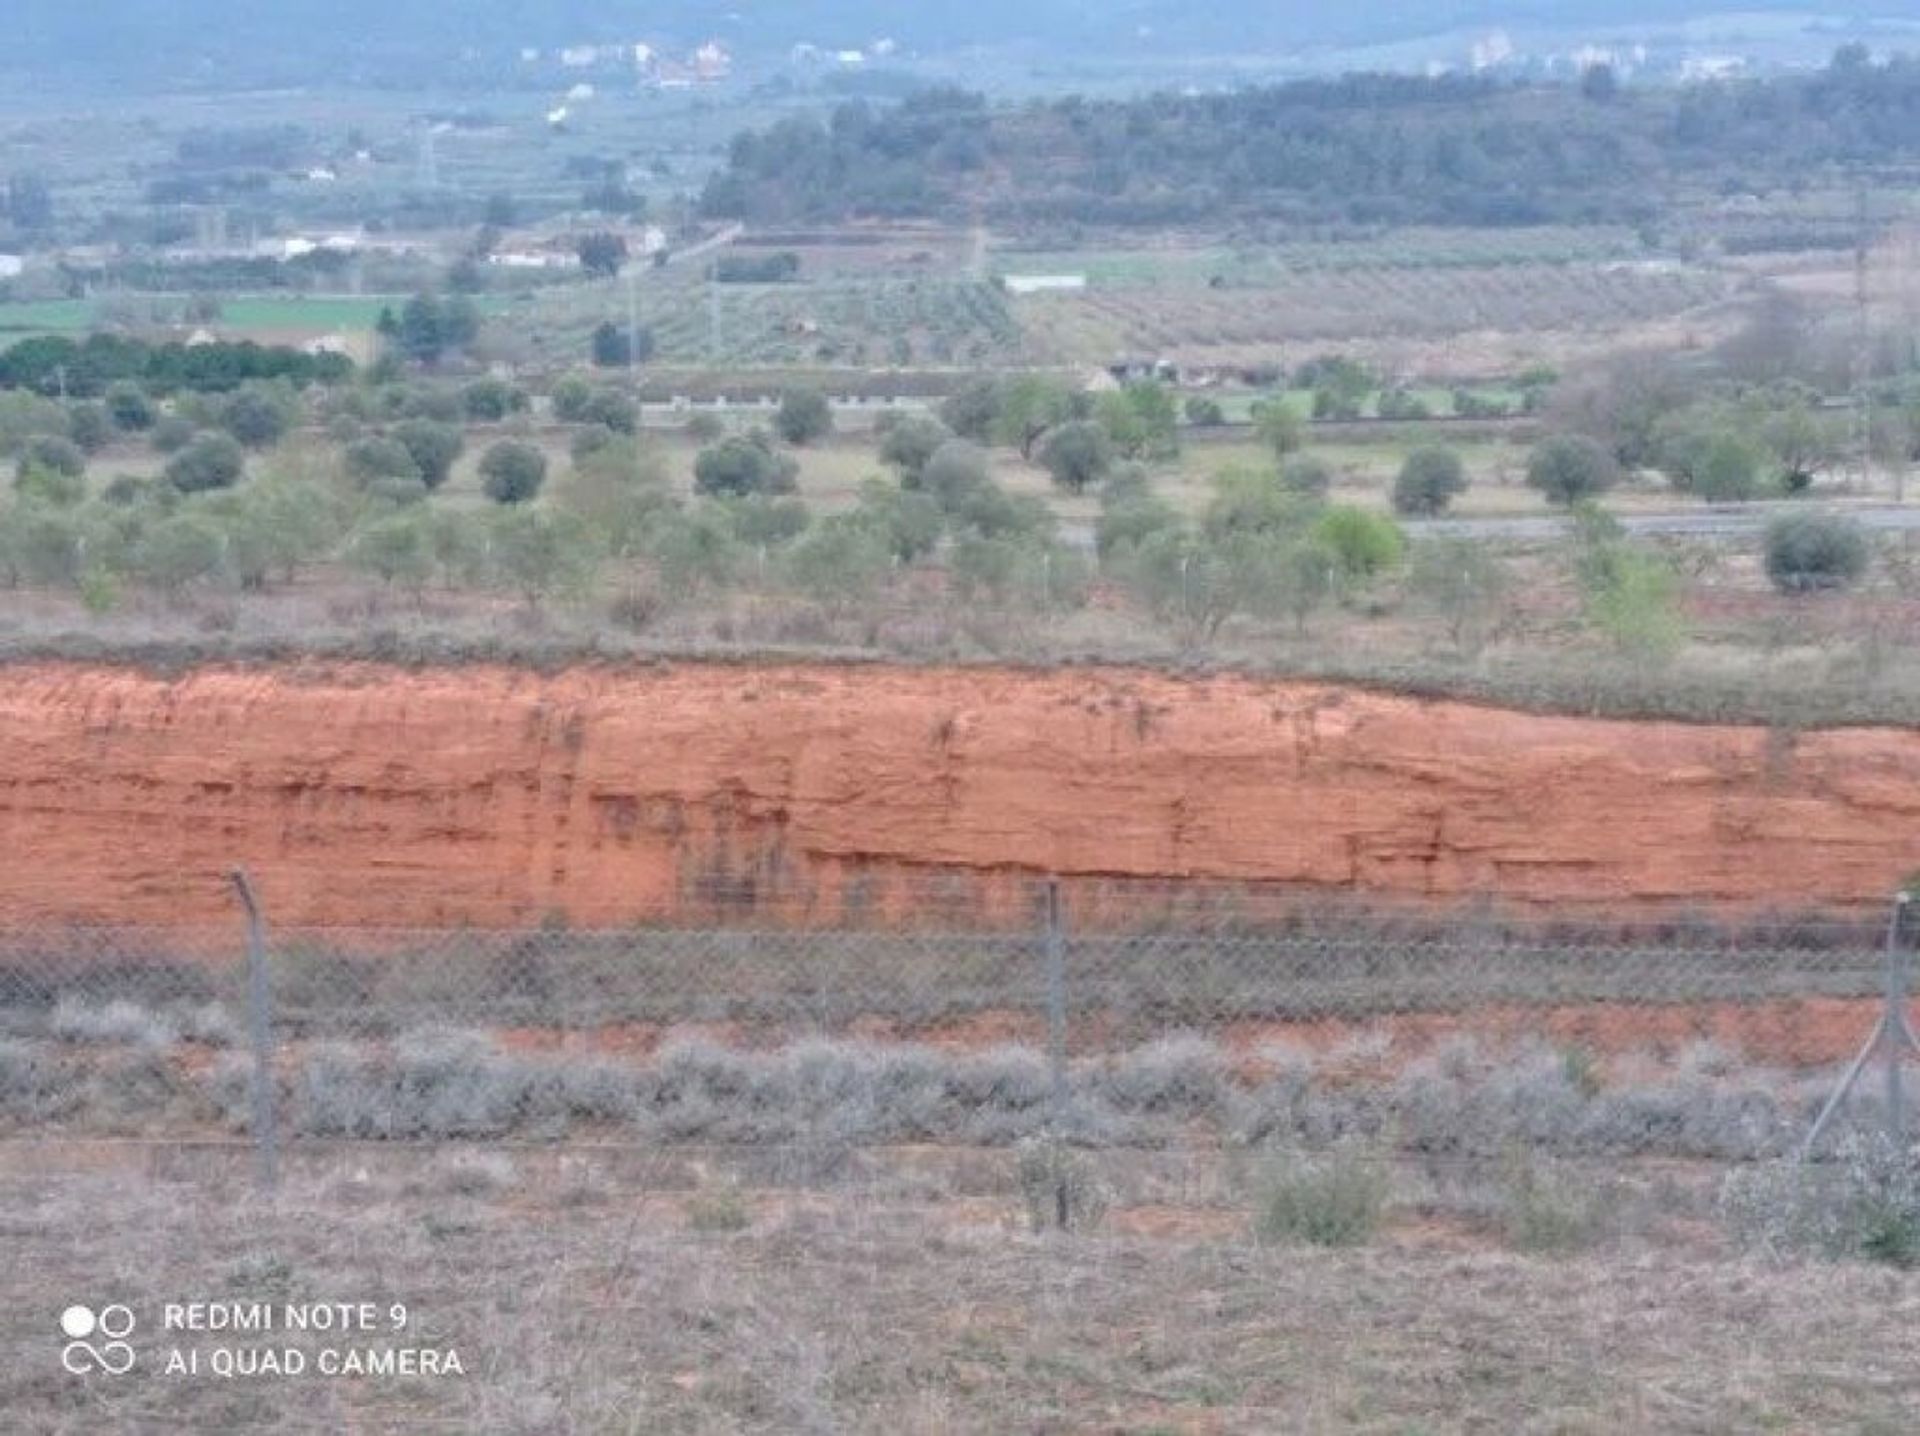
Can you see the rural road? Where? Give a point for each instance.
(1729, 524)
(706, 246)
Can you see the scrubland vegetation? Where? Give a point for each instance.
(1018, 518)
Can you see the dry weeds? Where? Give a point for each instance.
(581, 1301)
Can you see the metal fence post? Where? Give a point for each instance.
(1056, 959)
(260, 1028)
(1893, 1040)
(1899, 1040)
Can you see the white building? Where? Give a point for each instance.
(1044, 283)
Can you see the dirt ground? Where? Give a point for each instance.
(596, 1291)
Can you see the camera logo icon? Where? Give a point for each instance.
(82, 1355)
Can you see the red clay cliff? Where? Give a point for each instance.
(361, 794)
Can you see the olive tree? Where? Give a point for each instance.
(1429, 482)
(1807, 553)
(1571, 467)
(512, 472)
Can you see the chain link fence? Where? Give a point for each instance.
(1103, 1014)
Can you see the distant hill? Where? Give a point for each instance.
(307, 41)
(1363, 149)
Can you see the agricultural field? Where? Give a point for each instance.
(1296, 314)
(880, 323)
(1174, 265)
(273, 319)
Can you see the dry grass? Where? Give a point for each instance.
(912, 1302)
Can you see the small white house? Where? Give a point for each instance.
(12, 266)
(1044, 283)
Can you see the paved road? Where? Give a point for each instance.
(1725, 523)
(1722, 523)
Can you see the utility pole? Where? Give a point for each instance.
(633, 332)
(1863, 352)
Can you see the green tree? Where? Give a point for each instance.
(1429, 482)
(1729, 470)
(379, 456)
(1029, 405)
(973, 411)
(53, 455)
(908, 441)
(1141, 419)
(695, 551)
(259, 415)
(1464, 584)
(743, 464)
(211, 461)
(172, 433)
(1077, 454)
(1279, 427)
(430, 326)
(839, 560)
(1199, 581)
(764, 523)
(42, 546)
(613, 347)
(1629, 595)
(491, 400)
(1130, 520)
(1571, 467)
(1638, 604)
(1363, 544)
(1813, 552)
(129, 407)
(89, 426)
(602, 255)
(620, 493)
(909, 523)
(512, 472)
(433, 447)
(1802, 441)
(396, 549)
(1025, 570)
(1255, 500)
(179, 551)
(613, 410)
(276, 526)
(955, 470)
(541, 552)
(573, 399)
(1307, 476)
(36, 483)
(804, 416)
(989, 511)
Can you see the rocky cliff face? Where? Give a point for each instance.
(360, 794)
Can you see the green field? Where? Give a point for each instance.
(242, 316)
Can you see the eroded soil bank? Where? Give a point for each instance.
(362, 794)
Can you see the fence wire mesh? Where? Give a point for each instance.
(1151, 1016)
